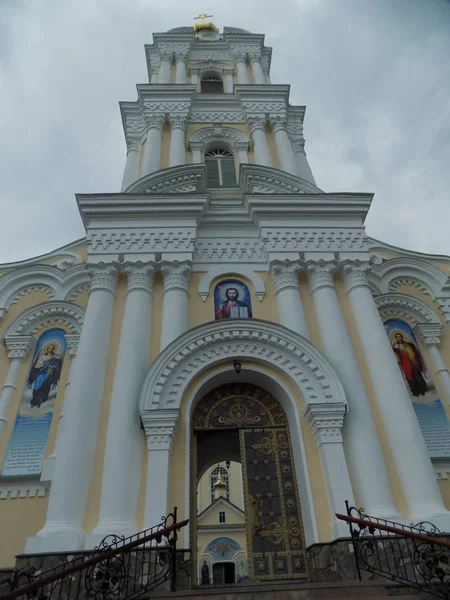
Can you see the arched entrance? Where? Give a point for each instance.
(245, 423)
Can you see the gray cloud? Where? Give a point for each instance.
(375, 77)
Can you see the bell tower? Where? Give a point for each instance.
(210, 102)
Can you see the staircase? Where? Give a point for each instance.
(297, 591)
(415, 559)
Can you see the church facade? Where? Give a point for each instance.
(222, 310)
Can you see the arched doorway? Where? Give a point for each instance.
(243, 422)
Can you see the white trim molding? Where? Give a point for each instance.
(229, 271)
(254, 340)
(49, 314)
(203, 137)
(406, 307)
(25, 489)
(406, 270)
(58, 285)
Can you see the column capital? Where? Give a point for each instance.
(72, 339)
(178, 122)
(176, 276)
(181, 56)
(166, 55)
(277, 123)
(321, 274)
(256, 122)
(298, 145)
(155, 122)
(160, 428)
(285, 274)
(254, 57)
(326, 421)
(355, 274)
(18, 346)
(132, 146)
(103, 277)
(429, 333)
(140, 276)
(240, 56)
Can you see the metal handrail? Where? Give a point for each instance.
(404, 532)
(60, 572)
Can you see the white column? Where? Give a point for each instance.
(180, 67)
(361, 444)
(228, 73)
(131, 166)
(242, 148)
(258, 75)
(160, 429)
(257, 127)
(122, 464)
(63, 529)
(267, 77)
(48, 468)
(403, 433)
(175, 301)
(197, 148)
(152, 153)
(430, 334)
(304, 170)
(326, 423)
(290, 308)
(165, 67)
(285, 152)
(241, 67)
(18, 347)
(155, 65)
(194, 76)
(177, 155)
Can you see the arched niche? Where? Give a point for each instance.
(212, 276)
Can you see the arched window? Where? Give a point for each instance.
(211, 83)
(213, 478)
(220, 168)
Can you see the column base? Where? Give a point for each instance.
(64, 540)
(339, 529)
(122, 529)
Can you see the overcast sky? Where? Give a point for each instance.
(374, 74)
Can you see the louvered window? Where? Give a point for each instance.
(212, 85)
(220, 168)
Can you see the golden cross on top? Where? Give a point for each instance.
(203, 16)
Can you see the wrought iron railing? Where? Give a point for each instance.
(416, 556)
(119, 568)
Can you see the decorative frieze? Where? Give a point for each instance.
(200, 116)
(141, 240)
(52, 314)
(313, 239)
(9, 491)
(162, 107)
(206, 250)
(30, 290)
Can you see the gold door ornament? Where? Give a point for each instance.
(276, 548)
(236, 406)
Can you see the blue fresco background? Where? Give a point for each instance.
(28, 441)
(430, 413)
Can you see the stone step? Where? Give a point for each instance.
(297, 591)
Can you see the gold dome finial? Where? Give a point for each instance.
(204, 25)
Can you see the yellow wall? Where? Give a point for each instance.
(231, 518)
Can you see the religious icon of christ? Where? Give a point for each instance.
(232, 307)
